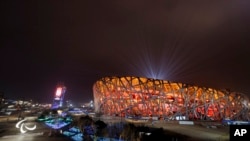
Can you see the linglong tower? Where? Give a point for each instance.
(59, 96)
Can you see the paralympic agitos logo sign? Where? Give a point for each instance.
(23, 126)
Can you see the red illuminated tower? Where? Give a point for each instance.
(59, 96)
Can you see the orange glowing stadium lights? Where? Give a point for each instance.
(137, 96)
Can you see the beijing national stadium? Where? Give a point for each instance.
(145, 97)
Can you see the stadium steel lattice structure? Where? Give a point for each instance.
(137, 96)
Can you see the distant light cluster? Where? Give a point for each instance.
(144, 97)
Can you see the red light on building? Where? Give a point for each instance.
(59, 96)
(58, 92)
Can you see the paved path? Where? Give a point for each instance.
(8, 132)
(195, 131)
(198, 131)
(32, 137)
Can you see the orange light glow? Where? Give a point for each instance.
(58, 92)
(142, 96)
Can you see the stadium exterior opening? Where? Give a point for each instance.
(145, 97)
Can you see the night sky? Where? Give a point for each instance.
(78, 42)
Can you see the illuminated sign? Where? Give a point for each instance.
(23, 127)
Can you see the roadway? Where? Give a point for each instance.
(199, 131)
(196, 131)
(8, 131)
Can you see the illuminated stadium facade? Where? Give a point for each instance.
(144, 97)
